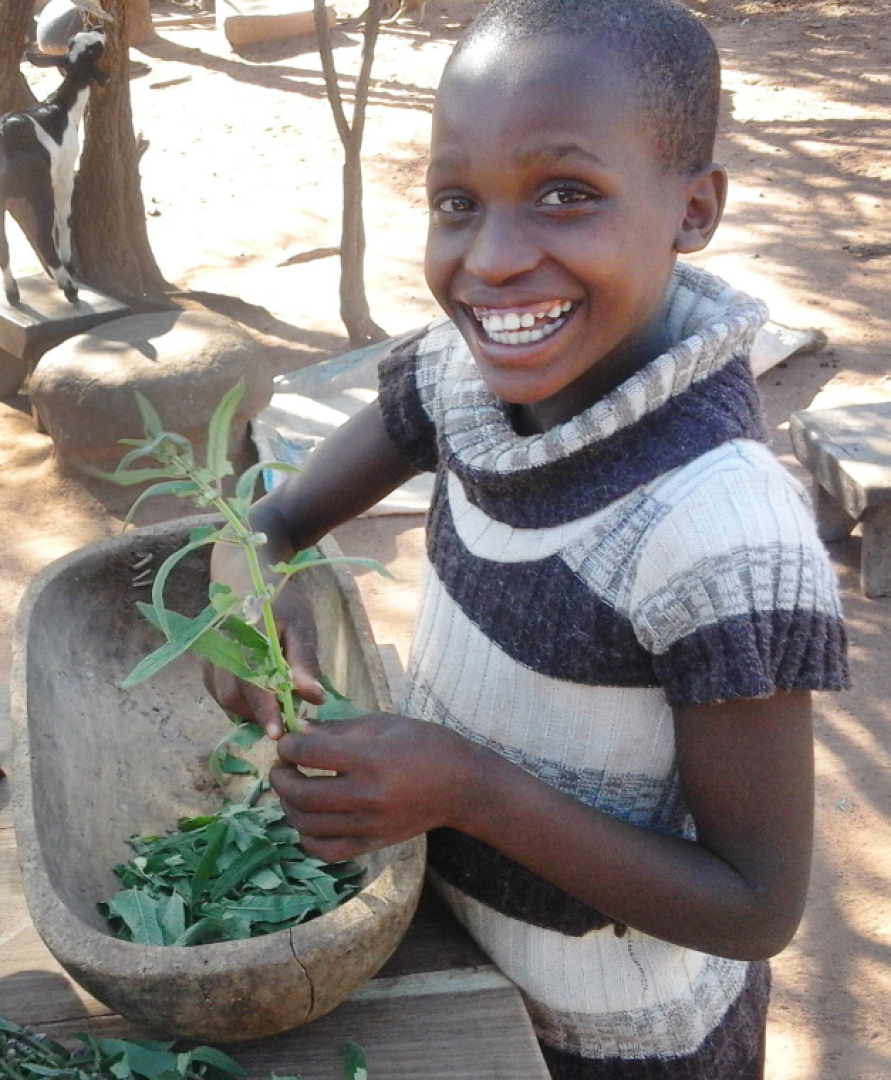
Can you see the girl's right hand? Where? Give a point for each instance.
(297, 632)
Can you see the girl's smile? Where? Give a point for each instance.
(553, 227)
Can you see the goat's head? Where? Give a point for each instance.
(79, 63)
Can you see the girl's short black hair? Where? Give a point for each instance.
(668, 50)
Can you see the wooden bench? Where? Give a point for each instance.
(42, 320)
(847, 450)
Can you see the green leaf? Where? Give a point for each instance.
(139, 912)
(176, 646)
(217, 834)
(129, 478)
(143, 1061)
(244, 489)
(244, 735)
(237, 766)
(339, 709)
(266, 879)
(213, 645)
(272, 909)
(164, 573)
(354, 1061)
(261, 854)
(298, 564)
(218, 432)
(180, 488)
(217, 1060)
(245, 634)
(151, 420)
(172, 917)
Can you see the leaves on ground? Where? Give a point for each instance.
(25, 1055)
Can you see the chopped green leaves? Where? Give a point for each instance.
(238, 873)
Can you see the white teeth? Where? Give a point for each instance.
(523, 337)
(513, 328)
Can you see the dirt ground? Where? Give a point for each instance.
(242, 174)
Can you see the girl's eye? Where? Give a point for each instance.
(453, 204)
(566, 197)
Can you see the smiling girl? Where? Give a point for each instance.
(607, 728)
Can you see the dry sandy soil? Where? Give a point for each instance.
(242, 173)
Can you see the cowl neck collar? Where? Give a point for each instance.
(696, 395)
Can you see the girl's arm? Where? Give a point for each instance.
(746, 766)
(353, 469)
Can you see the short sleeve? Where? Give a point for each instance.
(405, 417)
(740, 599)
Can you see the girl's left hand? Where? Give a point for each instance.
(396, 778)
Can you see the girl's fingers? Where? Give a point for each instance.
(313, 794)
(340, 849)
(264, 708)
(320, 747)
(243, 699)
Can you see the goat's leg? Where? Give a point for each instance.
(9, 285)
(63, 190)
(41, 199)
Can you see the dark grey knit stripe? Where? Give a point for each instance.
(709, 413)
(750, 655)
(486, 875)
(730, 1052)
(591, 643)
(405, 420)
(754, 655)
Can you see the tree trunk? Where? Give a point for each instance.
(354, 310)
(15, 16)
(112, 250)
(139, 22)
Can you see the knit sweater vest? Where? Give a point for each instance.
(648, 553)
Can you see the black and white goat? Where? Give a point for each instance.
(38, 155)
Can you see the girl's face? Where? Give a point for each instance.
(553, 227)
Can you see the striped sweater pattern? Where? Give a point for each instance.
(648, 553)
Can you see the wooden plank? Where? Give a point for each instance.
(33, 987)
(451, 1036)
(44, 317)
(848, 451)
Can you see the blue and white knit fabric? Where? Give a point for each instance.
(648, 553)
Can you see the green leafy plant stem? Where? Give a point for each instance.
(244, 537)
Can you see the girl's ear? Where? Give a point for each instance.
(706, 192)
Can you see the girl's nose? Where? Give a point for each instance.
(500, 247)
